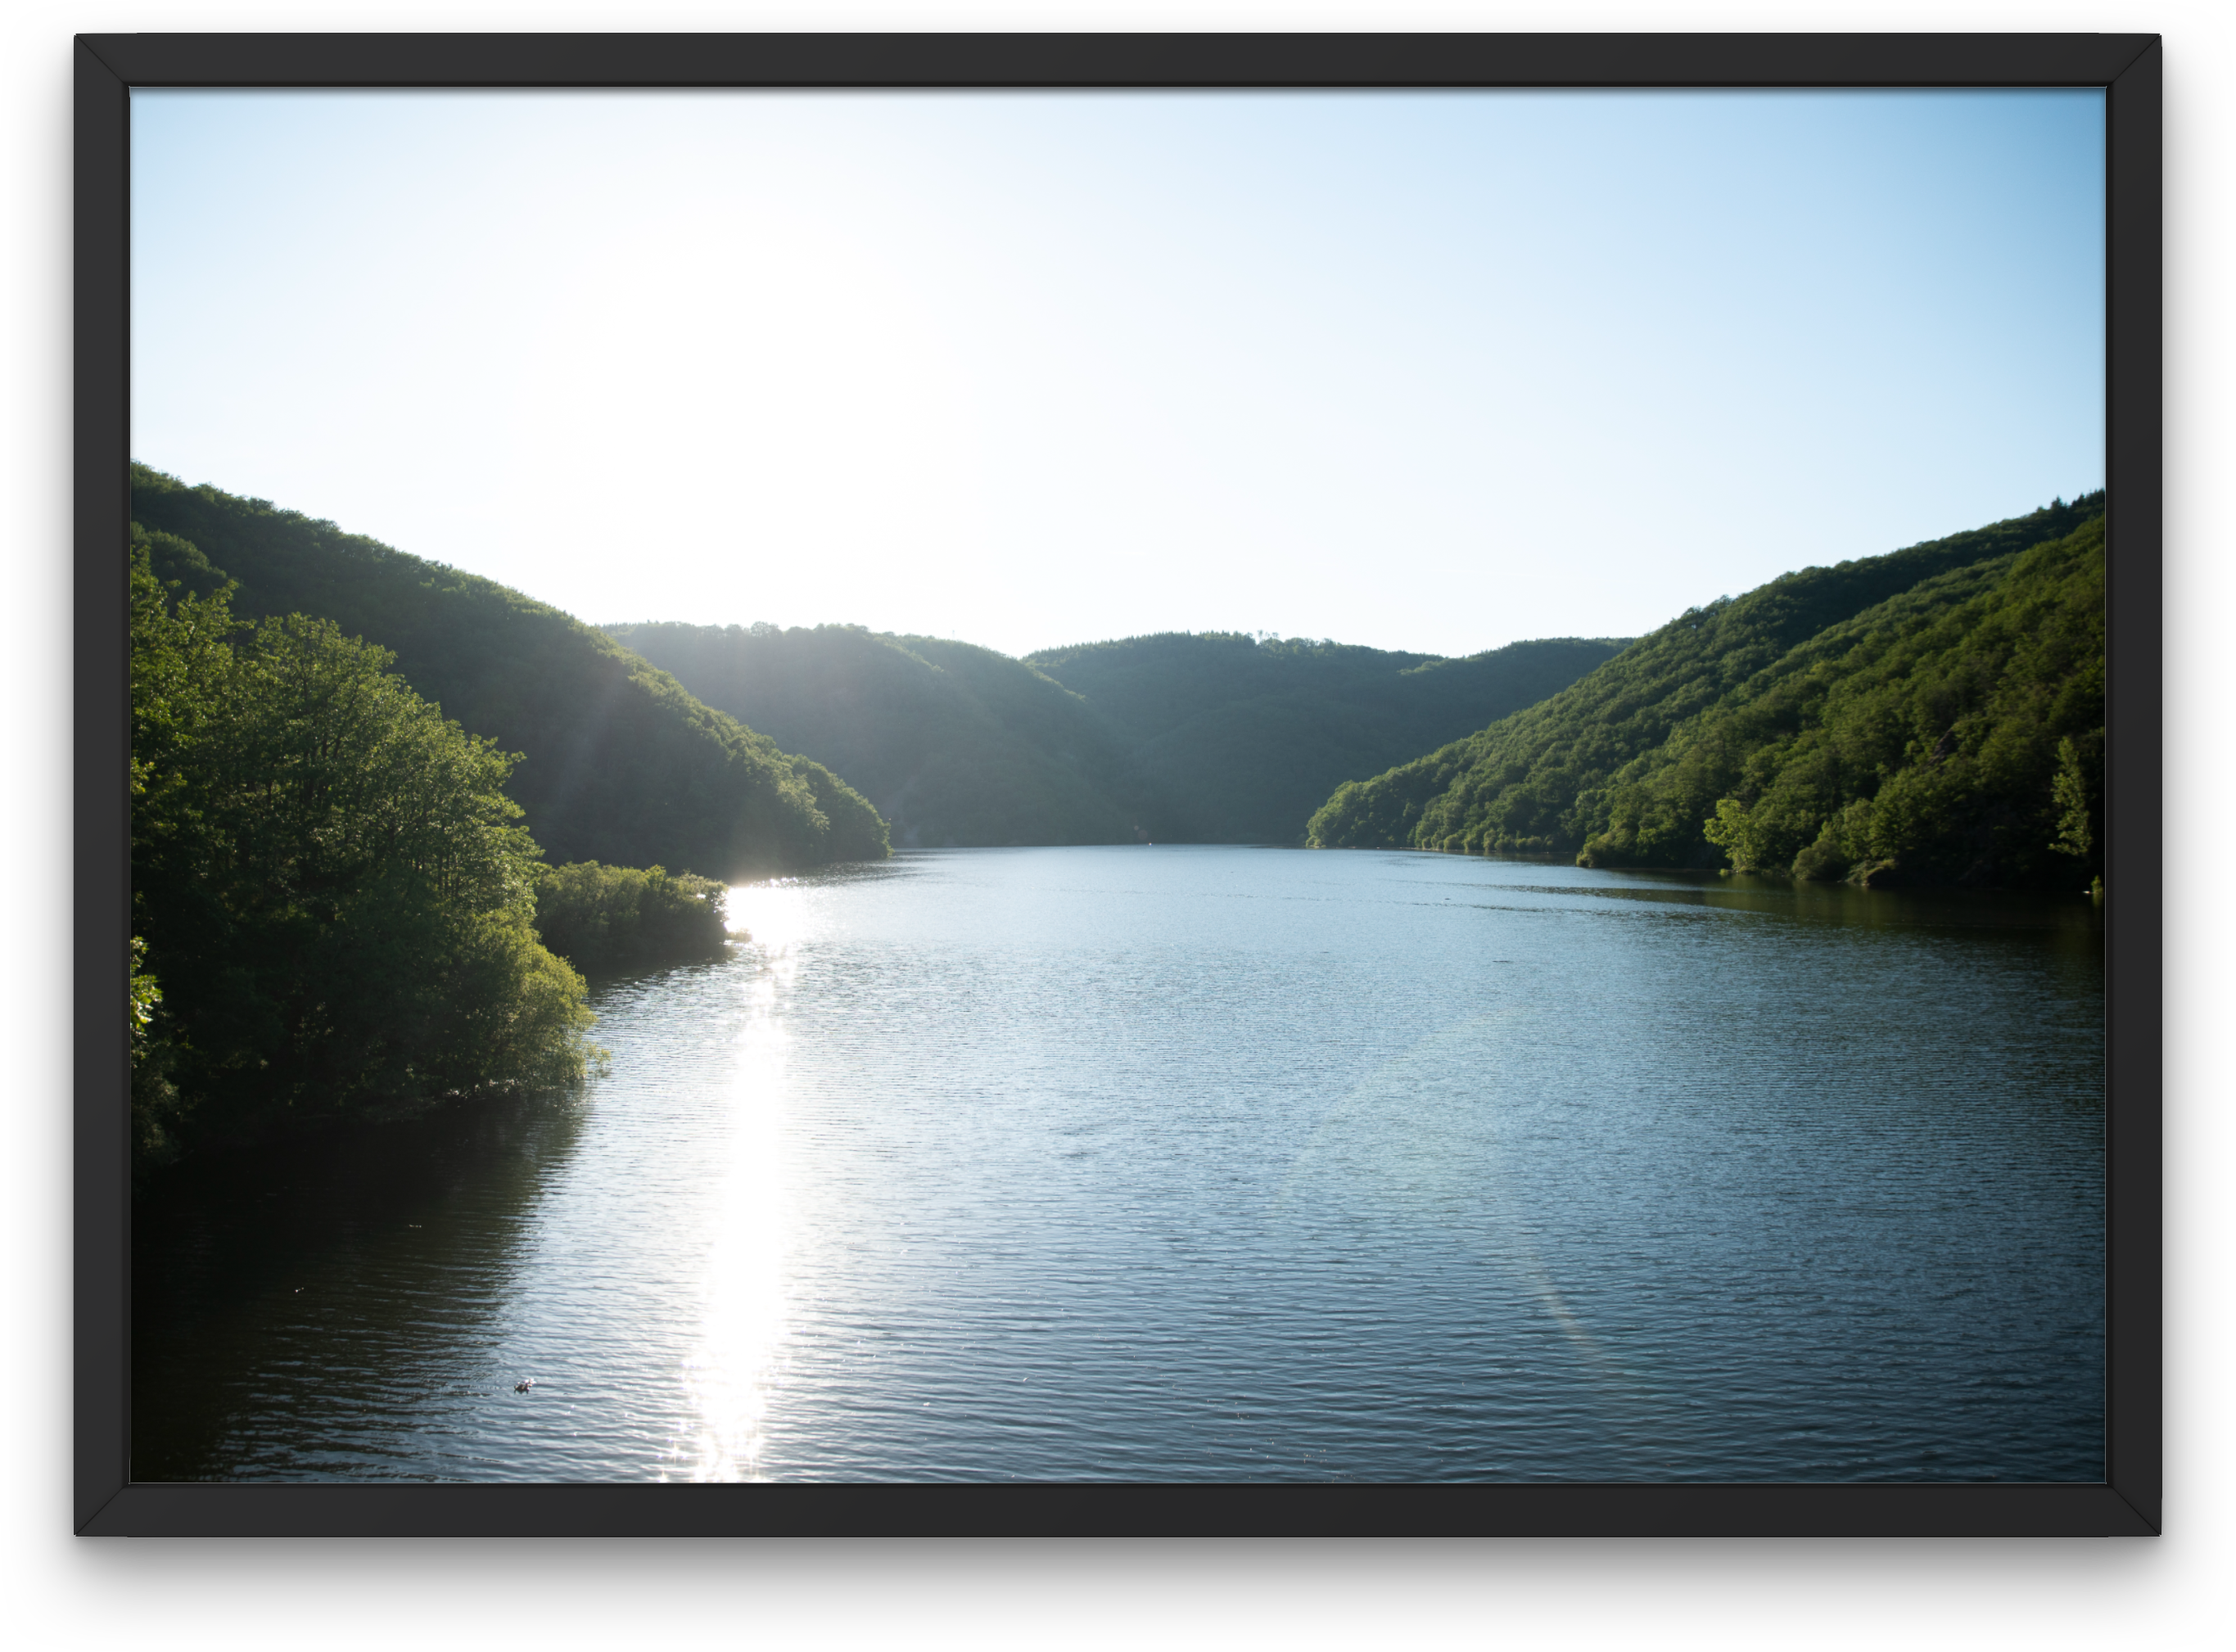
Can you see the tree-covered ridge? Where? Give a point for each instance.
(1214, 737)
(1616, 765)
(618, 762)
(1246, 736)
(332, 898)
(1952, 734)
(955, 745)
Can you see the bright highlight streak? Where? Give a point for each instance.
(738, 1365)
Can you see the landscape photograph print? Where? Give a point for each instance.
(1336, 787)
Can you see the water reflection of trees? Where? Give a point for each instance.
(278, 1296)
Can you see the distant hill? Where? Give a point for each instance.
(1211, 737)
(1935, 714)
(620, 764)
(1247, 737)
(955, 745)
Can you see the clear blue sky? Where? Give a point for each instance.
(1429, 371)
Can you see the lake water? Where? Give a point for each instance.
(1209, 1163)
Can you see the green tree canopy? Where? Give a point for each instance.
(617, 762)
(1898, 710)
(603, 920)
(335, 896)
(1953, 734)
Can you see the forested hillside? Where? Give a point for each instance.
(1211, 737)
(955, 745)
(1246, 737)
(332, 906)
(1935, 714)
(617, 762)
(1952, 734)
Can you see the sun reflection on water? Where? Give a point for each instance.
(732, 1374)
(776, 916)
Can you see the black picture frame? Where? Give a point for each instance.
(2128, 67)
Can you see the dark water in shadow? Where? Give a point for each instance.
(1212, 1163)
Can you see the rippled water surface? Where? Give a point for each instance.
(1177, 1163)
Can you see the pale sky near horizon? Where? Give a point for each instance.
(1425, 371)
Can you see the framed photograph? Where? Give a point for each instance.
(1101, 785)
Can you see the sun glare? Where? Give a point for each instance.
(739, 1362)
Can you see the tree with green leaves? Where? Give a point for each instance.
(333, 896)
(617, 762)
(605, 920)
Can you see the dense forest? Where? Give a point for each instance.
(954, 745)
(617, 762)
(348, 764)
(1934, 715)
(1246, 736)
(1214, 737)
(332, 898)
